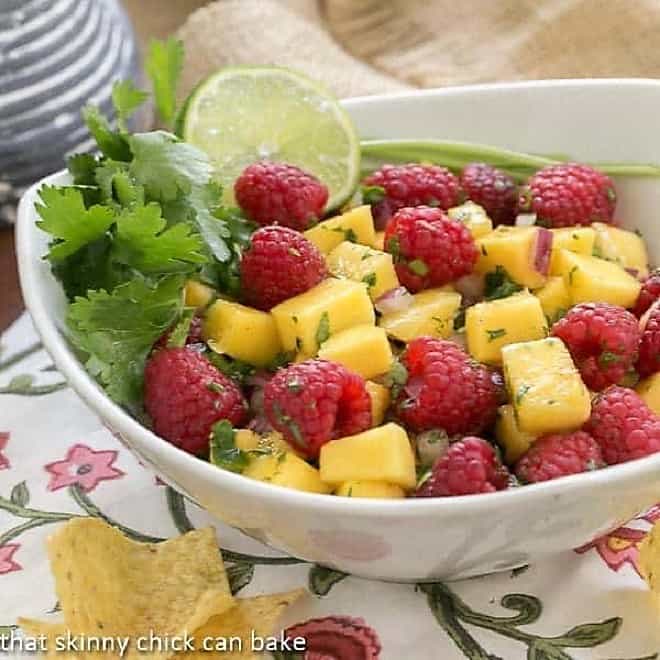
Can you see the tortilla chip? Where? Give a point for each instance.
(34, 628)
(649, 560)
(250, 616)
(108, 585)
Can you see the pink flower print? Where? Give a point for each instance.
(651, 515)
(618, 548)
(4, 461)
(7, 563)
(337, 638)
(85, 467)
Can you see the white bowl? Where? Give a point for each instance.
(405, 540)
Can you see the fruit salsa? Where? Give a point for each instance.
(428, 331)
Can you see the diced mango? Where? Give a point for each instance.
(493, 324)
(380, 454)
(474, 217)
(241, 332)
(575, 239)
(513, 441)
(545, 387)
(380, 401)
(623, 247)
(306, 321)
(649, 390)
(248, 440)
(362, 348)
(364, 264)
(431, 313)
(376, 489)
(590, 279)
(286, 469)
(555, 298)
(356, 225)
(517, 250)
(379, 242)
(197, 294)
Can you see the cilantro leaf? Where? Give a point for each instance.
(64, 216)
(118, 187)
(81, 167)
(223, 450)
(165, 166)
(323, 330)
(111, 143)
(143, 243)
(179, 334)
(163, 65)
(118, 329)
(500, 285)
(126, 98)
(235, 369)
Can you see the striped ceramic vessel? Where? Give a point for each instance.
(55, 56)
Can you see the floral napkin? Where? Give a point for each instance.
(57, 462)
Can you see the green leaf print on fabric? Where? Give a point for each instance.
(321, 579)
(453, 614)
(239, 575)
(20, 495)
(23, 384)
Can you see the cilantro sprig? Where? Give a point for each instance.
(143, 214)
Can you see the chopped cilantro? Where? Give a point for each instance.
(571, 274)
(396, 378)
(370, 279)
(459, 320)
(393, 247)
(280, 360)
(234, 369)
(484, 251)
(372, 194)
(223, 451)
(323, 330)
(179, 334)
(499, 284)
(288, 423)
(521, 392)
(495, 334)
(217, 388)
(607, 358)
(597, 252)
(418, 267)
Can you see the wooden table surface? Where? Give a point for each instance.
(151, 20)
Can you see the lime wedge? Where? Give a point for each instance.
(244, 114)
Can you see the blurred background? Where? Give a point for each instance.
(58, 55)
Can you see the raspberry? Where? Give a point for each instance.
(603, 340)
(649, 294)
(556, 456)
(412, 185)
(428, 248)
(569, 194)
(277, 193)
(623, 425)
(492, 189)
(316, 401)
(649, 346)
(278, 264)
(185, 395)
(194, 334)
(446, 389)
(470, 466)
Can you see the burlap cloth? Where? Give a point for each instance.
(369, 46)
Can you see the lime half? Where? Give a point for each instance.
(244, 114)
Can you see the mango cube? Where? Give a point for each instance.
(306, 321)
(431, 313)
(580, 240)
(198, 295)
(513, 441)
(241, 332)
(375, 489)
(491, 325)
(286, 469)
(274, 442)
(555, 298)
(623, 247)
(544, 386)
(364, 264)
(590, 279)
(379, 242)
(522, 251)
(649, 390)
(380, 401)
(380, 454)
(474, 217)
(356, 225)
(362, 348)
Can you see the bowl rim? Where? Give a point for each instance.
(96, 399)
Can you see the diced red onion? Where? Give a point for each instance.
(542, 250)
(471, 287)
(525, 219)
(394, 300)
